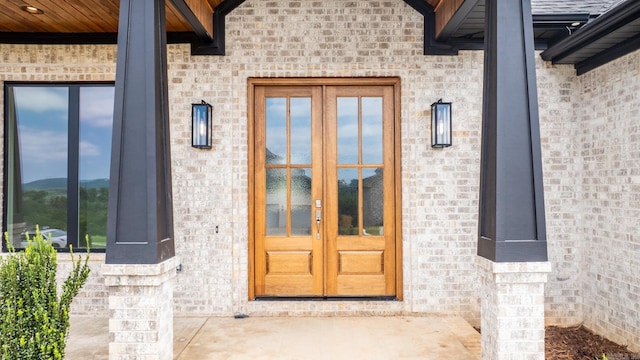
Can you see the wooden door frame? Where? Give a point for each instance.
(381, 81)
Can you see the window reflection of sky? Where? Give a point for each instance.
(347, 130)
(347, 107)
(42, 114)
(276, 112)
(300, 130)
(96, 119)
(371, 130)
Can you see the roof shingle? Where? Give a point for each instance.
(592, 7)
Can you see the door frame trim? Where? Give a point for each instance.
(323, 81)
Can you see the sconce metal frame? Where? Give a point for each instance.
(441, 128)
(201, 123)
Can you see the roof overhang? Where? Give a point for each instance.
(582, 39)
(453, 25)
(608, 37)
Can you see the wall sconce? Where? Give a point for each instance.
(201, 116)
(440, 124)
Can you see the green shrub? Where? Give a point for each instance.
(34, 320)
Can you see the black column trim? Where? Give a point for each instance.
(83, 38)
(431, 45)
(192, 19)
(217, 46)
(457, 19)
(57, 38)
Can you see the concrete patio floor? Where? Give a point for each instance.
(201, 338)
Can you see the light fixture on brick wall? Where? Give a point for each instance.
(440, 124)
(201, 116)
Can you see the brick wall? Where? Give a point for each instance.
(93, 298)
(329, 39)
(439, 187)
(558, 93)
(609, 144)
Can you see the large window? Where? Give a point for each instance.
(57, 154)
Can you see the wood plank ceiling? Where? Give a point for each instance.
(84, 16)
(97, 16)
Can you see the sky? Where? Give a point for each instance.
(43, 124)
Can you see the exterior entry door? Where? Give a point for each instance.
(324, 191)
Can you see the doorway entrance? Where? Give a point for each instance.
(324, 188)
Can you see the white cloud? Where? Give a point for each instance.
(89, 149)
(96, 106)
(42, 146)
(372, 107)
(301, 108)
(42, 99)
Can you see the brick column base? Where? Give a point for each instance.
(512, 310)
(140, 310)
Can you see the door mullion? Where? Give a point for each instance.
(288, 162)
(317, 167)
(331, 191)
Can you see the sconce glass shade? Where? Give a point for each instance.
(440, 124)
(201, 119)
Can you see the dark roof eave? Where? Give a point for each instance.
(605, 24)
(83, 38)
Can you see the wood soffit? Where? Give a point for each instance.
(93, 16)
(101, 16)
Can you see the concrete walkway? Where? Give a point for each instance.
(399, 337)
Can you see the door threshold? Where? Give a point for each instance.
(326, 298)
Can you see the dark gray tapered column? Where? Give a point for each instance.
(512, 220)
(140, 226)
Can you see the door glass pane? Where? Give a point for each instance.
(372, 130)
(276, 117)
(348, 201)
(96, 119)
(372, 202)
(276, 202)
(37, 162)
(347, 130)
(300, 201)
(300, 130)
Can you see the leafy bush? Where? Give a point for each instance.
(34, 320)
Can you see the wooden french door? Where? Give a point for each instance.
(324, 191)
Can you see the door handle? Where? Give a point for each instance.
(318, 219)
